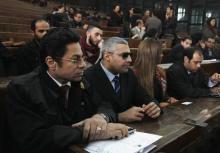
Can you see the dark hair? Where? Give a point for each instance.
(55, 41)
(151, 33)
(183, 38)
(116, 4)
(189, 52)
(138, 21)
(196, 37)
(77, 12)
(33, 23)
(155, 12)
(208, 22)
(93, 25)
(205, 38)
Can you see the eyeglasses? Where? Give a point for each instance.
(125, 55)
(76, 60)
(41, 31)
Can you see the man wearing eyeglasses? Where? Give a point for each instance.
(29, 56)
(209, 51)
(52, 108)
(117, 84)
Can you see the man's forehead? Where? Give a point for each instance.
(211, 39)
(197, 56)
(96, 30)
(41, 23)
(74, 49)
(122, 47)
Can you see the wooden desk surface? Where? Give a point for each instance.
(176, 134)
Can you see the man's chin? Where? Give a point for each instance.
(77, 79)
(124, 70)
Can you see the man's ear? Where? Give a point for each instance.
(50, 63)
(186, 59)
(106, 56)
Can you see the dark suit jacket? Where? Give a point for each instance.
(132, 94)
(29, 57)
(180, 85)
(37, 121)
(210, 54)
(175, 55)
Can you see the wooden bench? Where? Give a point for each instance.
(10, 27)
(15, 20)
(16, 36)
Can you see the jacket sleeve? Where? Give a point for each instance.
(105, 108)
(100, 105)
(31, 130)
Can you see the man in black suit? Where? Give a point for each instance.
(51, 108)
(176, 54)
(29, 55)
(117, 84)
(186, 79)
(209, 52)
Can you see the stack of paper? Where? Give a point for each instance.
(138, 142)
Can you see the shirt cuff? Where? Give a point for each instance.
(212, 83)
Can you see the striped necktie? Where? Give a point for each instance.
(117, 85)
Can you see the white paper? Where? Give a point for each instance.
(135, 143)
(209, 61)
(165, 66)
(186, 103)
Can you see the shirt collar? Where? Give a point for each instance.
(109, 74)
(57, 82)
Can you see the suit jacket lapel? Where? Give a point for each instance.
(105, 84)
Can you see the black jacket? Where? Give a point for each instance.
(37, 121)
(175, 55)
(29, 57)
(210, 54)
(132, 94)
(180, 85)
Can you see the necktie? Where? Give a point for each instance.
(64, 92)
(117, 85)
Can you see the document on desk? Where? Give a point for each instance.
(138, 142)
(208, 61)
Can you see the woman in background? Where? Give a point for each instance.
(210, 30)
(150, 76)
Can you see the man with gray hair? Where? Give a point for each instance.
(116, 83)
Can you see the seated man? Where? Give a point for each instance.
(77, 21)
(209, 51)
(187, 80)
(29, 56)
(117, 84)
(139, 30)
(176, 54)
(90, 43)
(42, 106)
